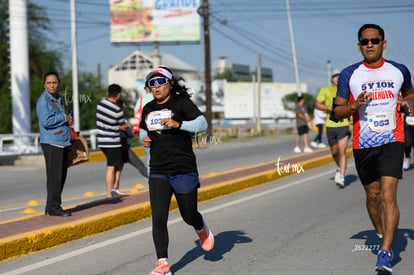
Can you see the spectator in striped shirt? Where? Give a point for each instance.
(110, 122)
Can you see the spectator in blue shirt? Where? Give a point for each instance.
(55, 139)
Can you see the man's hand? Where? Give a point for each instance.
(361, 100)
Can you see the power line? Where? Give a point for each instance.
(262, 15)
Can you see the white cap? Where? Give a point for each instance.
(335, 72)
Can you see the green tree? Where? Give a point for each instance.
(5, 97)
(41, 59)
(289, 101)
(89, 95)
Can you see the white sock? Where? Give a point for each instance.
(379, 235)
(163, 259)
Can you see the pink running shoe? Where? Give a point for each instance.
(206, 238)
(162, 268)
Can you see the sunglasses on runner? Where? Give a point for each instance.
(374, 41)
(160, 80)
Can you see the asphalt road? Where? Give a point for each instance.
(301, 224)
(23, 189)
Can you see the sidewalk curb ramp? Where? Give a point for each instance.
(23, 241)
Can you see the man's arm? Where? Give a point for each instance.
(320, 106)
(342, 108)
(409, 98)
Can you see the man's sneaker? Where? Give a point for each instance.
(313, 144)
(161, 268)
(339, 180)
(307, 150)
(321, 145)
(116, 193)
(384, 261)
(337, 172)
(297, 150)
(406, 163)
(206, 238)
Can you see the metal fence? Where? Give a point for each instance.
(30, 143)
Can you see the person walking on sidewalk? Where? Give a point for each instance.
(369, 91)
(409, 137)
(337, 132)
(302, 119)
(128, 154)
(55, 139)
(109, 122)
(167, 126)
(319, 121)
(140, 104)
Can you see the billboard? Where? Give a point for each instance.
(147, 21)
(240, 99)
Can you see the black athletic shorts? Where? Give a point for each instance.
(303, 129)
(114, 156)
(384, 160)
(334, 134)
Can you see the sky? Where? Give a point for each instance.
(323, 31)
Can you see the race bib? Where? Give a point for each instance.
(154, 119)
(409, 120)
(381, 122)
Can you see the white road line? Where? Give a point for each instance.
(148, 229)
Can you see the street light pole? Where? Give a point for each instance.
(75, 95)
(19, 71)
(259, 94)
(329, 70)
(207, 68)
(292, 42)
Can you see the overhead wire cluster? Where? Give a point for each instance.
(274, 45)
(251, 25)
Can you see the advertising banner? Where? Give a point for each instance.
(148, 21)
(240, 99)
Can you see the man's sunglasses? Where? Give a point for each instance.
(374, 41)
(160, 80)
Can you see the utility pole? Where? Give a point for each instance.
(292, 42)
(99, 77)
(329, 70)
(259, 94)
(19, 63)
(75, 95)
(204, 11)
(156, 56)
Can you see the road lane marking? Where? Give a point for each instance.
(135, 234)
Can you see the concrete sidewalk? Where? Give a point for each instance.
(24, 236)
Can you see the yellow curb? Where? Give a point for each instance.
(25, 243)
(29, 242)
(89, 194)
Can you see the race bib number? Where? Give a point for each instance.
(410, 120)
(381, 122)
(154, 119)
